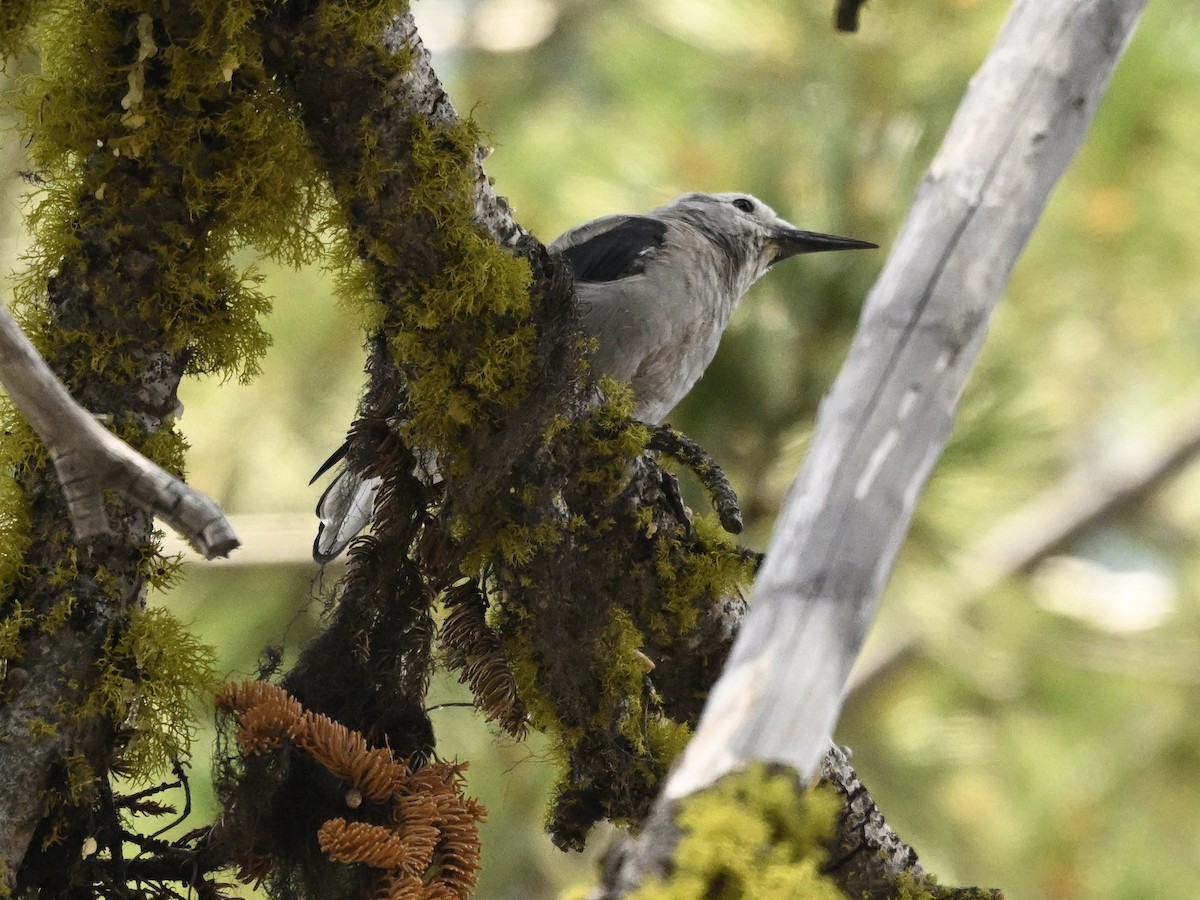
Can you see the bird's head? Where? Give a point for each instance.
(749, 232)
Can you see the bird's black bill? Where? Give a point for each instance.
(792, 242)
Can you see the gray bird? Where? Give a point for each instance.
(656, 291)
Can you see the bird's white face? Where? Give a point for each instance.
(735, 214)
(744, 220)
(749, 233)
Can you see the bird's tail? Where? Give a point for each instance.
(344, 510)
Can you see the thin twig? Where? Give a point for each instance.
(181, 775)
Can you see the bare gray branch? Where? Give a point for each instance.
(90, 460)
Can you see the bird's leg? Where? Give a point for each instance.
(679, 446)
(674, 498)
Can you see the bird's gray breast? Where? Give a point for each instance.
(658, 330)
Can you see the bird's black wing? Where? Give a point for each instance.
(617, 252)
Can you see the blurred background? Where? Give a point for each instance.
(1026, 711)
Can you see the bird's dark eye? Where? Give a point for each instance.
(744, 205)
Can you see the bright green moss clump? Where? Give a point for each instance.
(152, 679)
(465, 336)
(753, 835)
(141, 150)
(14, 515)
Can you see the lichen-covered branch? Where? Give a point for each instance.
(544, 496)
(764, 831)
(147, 132)
(90, 460)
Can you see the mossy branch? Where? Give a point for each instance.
(546, 496)
(153, 133)
(765, 832)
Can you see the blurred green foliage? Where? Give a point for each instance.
(1051, 754)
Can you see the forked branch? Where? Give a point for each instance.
(90, 460)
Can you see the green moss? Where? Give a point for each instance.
(190, 126)
(530, 680)
(58, 614)
(169, 145)
(364, 23)
(165, 148)
(15, 16)
(465, 337)
(14, 505)
(151, 680)
(200, 113)
(713, 567)
(17, 618)
(517, 544)
(40, 728)
(79, 776)
(624, 684)
(910, 886)
(754, 834)
(667, 738)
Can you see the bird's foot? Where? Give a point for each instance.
(679, 446)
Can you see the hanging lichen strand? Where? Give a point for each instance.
(158, 148)
(608, 610)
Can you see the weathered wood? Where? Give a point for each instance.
(89, 459)
(888, 417)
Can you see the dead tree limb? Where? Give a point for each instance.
(90, 460)
(889, 415)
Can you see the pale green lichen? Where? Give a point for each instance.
(719, 570)
(464, 337)
(15, 17)
(754, 835)
(153, 681)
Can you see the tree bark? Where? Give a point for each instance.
(889, 415)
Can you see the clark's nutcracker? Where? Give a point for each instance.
(656, 291)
